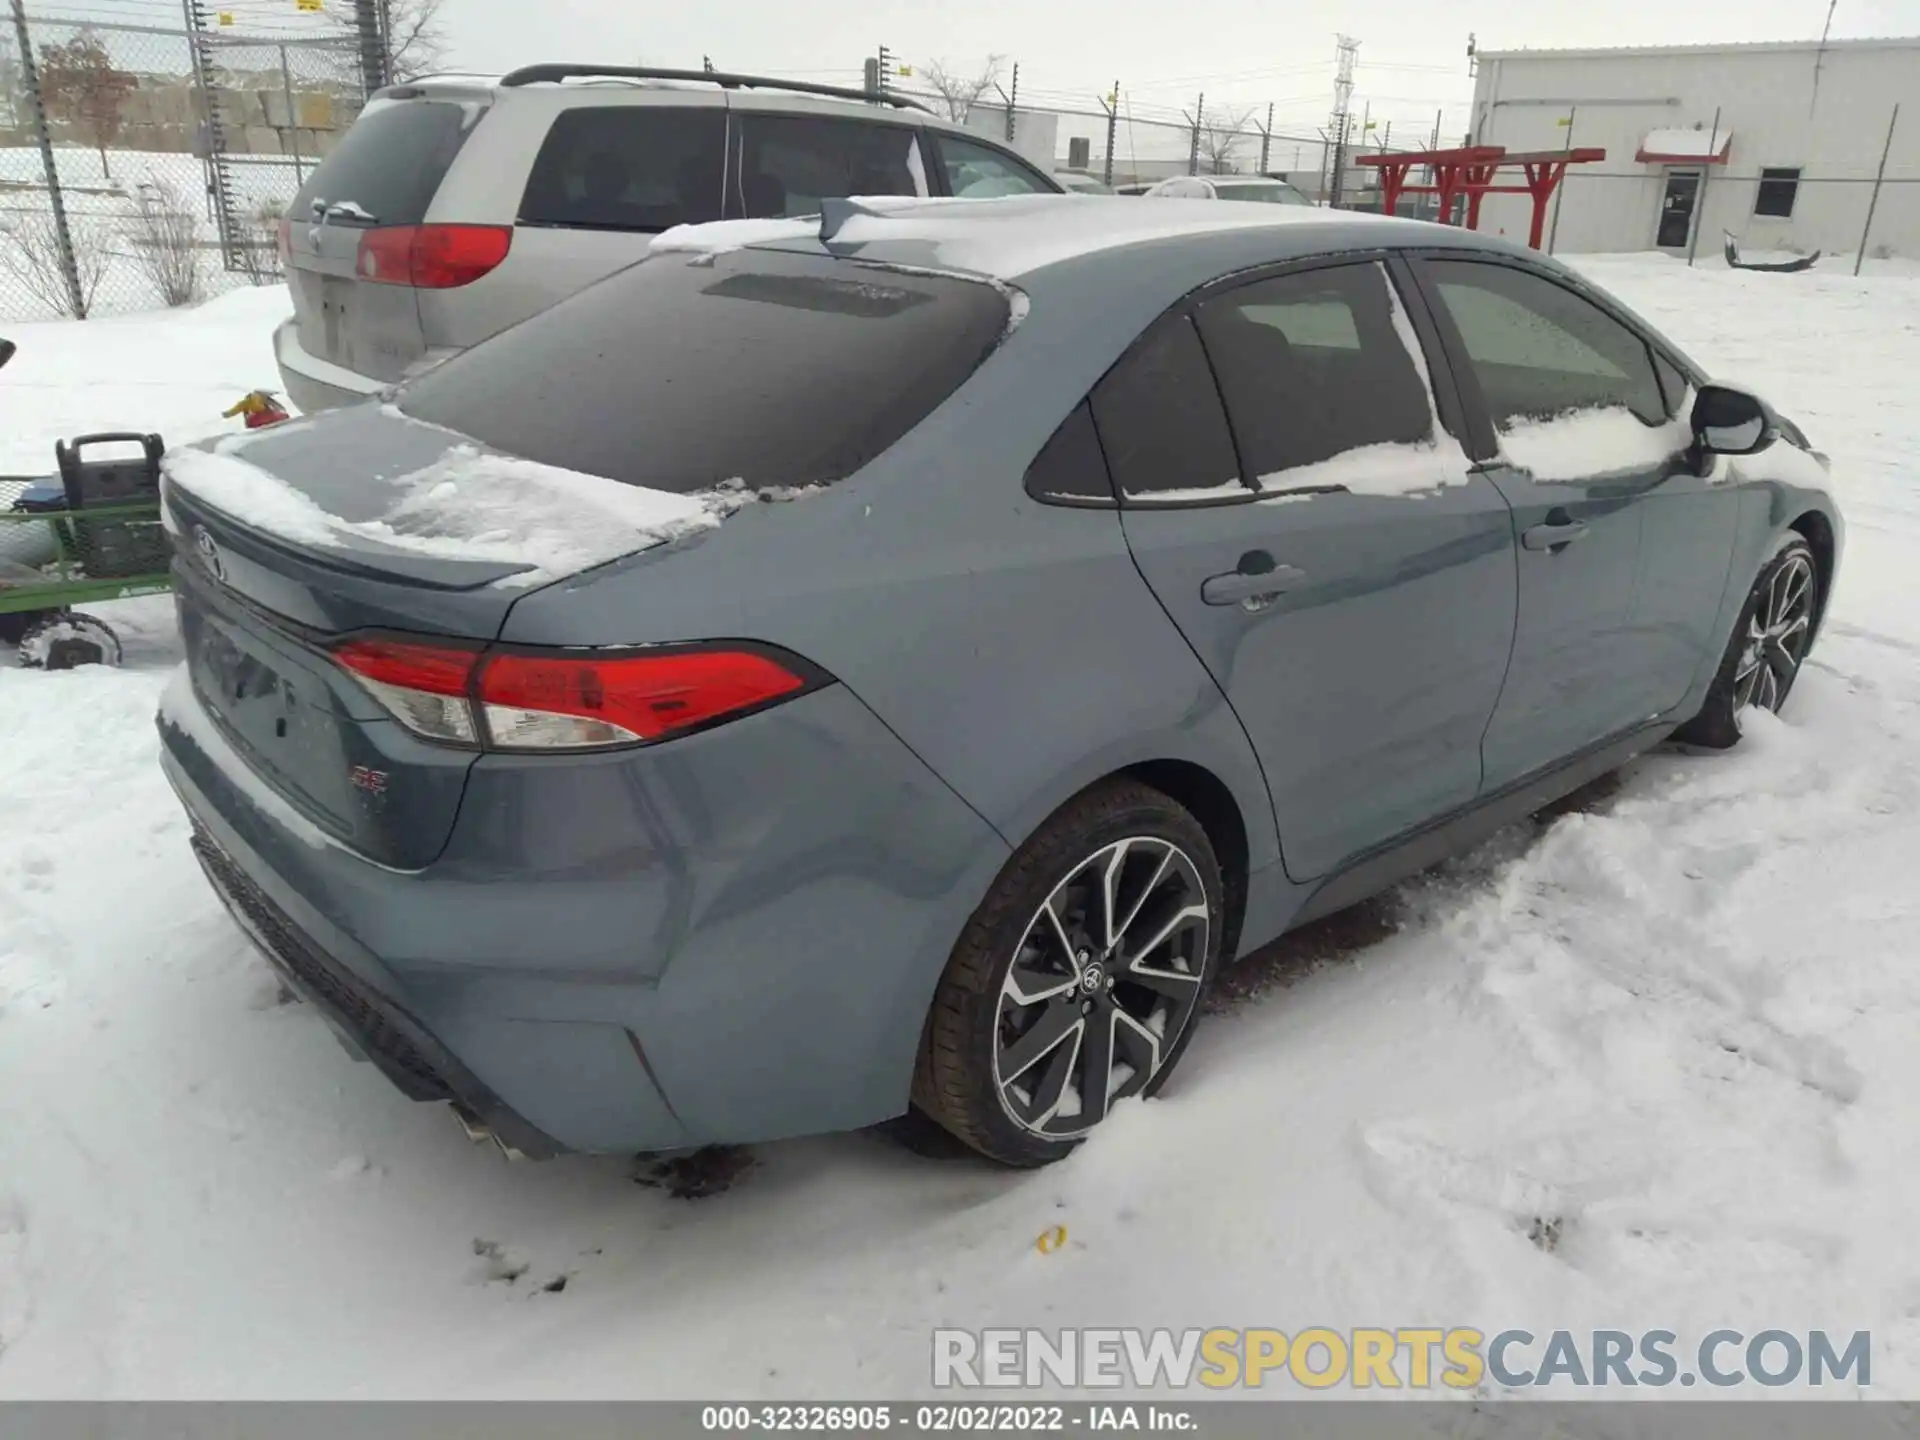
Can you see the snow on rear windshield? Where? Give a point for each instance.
(679, 374)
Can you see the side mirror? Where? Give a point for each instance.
(7, 347)
(1732, 422)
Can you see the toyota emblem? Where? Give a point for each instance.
(209, 553)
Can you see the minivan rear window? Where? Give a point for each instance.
(390, 163)
(682, 373)
(628, 167)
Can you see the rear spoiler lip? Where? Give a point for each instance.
(365, 561)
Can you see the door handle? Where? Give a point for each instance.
(1254, 584)
(1555, 534)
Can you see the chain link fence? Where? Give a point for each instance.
(143, 167)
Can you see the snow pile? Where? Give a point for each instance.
(468, 505)
(1649, 1065)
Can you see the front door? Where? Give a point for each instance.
(1677, 204)
(1322, 544)
(1623, 546)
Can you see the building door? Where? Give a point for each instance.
(1676, 209)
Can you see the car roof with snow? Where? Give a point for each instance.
(1184, 242)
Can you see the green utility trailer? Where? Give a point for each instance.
(89, 532)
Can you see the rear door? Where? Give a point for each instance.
(1317, 533)
(1624, 548)
(383, 174)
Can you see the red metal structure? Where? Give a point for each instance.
(1470, 171)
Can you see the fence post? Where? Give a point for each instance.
(1560, 191)
(37, 114)
(1112, 106)
(1266, 139)
(1013, 100)
(1700, 200)
(1193, 152)
(293, 119)
(1873, 201)
(373, 46)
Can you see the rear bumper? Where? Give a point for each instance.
(728, 939)
(314, 384)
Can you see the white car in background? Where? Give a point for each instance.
(1228, 187)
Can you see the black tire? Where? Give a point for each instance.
(1165, 871)
(66, 640)
(1735, 684)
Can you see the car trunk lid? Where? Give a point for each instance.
(264, 596)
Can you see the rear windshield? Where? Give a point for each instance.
(390, 163)
(628, 167)
(1271, 194)
(681, 373)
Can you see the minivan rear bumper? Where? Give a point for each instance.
(314, 384)
(730, 938)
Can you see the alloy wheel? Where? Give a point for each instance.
(1776, 640)
(1103, 984)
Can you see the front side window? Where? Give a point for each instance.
(1539, 351)
(1313, 365)
(790, 163)
(978, 172)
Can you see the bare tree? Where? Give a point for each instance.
(31, 254)
(166, 243)
(415, 33)
(259, 250)
(1221, 138)
(81, 86)
(958, 93)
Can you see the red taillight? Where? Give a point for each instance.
(566, 700)
(432, 257)
(425, 687)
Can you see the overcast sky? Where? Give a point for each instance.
(1164, 52)
(1244, 54)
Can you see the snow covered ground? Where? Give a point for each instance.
(1669, 1035)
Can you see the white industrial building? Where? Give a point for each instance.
(1790, 165)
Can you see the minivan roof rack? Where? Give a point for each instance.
(726, 80)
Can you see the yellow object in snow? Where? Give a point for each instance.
(1051, 1239)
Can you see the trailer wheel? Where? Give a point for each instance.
(66, 640)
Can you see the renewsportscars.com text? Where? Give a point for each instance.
(1380, 1359)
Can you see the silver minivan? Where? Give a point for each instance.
(456, 207)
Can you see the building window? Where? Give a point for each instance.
(1777, 189)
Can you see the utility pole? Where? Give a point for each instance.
(37, 114)
(1193, 121)
(1111, 104)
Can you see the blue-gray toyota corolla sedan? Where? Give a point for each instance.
(889, 662)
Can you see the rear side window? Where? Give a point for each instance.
(1160, 420)
(790, 163)
(1313, 365)
(681, 374)
(390, 163)
(628, 167)
(1070, 469)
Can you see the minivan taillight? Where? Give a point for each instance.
(532, 700)
(432, 257)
